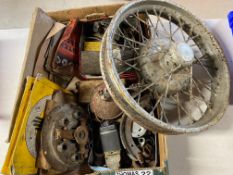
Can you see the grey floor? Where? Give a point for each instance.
(17, 13)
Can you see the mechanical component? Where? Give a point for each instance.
(102, 104)
(142, 152)
(111, 145)
(147, 151)
(179, 65)
(84, 89)
(141, 141)
(158, 64)
(26, 148)
(137, 130)
(127, 140)
(34, 123)
(64, 137)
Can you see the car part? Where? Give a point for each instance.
(137, 130)
(102, 104)
(144, 150)
(178, 62)
(111, 145)
(64, 137)
(127, 140)
(25, 150)
(34, 123)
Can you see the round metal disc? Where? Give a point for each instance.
(34, 124)
(64, 137)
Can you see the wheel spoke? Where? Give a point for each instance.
(191, 38)
(123, 46)
(141, 20)
(170, 27)
(130, 40)
(159, 21)
(128, 64)
(132, 46)
(191, 82)
(208, 73)
(140, 33)
(156, 104)
(127, 69)
(181, 30)
(183, 109)
(178, 108)
(146, 88)
(199, 91)
(149, 18)
(205, 85)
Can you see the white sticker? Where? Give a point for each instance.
(136, 172)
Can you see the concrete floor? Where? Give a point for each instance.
(17, 13)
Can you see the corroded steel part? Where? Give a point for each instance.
(141, 151)
(207, 70)
(127, 140)
(102, 105)
(64, 137)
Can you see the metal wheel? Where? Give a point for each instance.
(178, 64)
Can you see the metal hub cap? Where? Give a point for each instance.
(162, 63)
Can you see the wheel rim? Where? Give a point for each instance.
(176, 37)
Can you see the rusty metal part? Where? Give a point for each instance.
(64, 137)
(82, 137)
(34, 124)
(205, 71)
(127, 140)
(84, 89)
(144, 150)
(147, 151)
(102, 104)
(42, 162)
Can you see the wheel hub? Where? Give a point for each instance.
(167, 65)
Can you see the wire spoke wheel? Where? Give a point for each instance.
(181, 79)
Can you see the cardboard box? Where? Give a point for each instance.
(40, 26)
